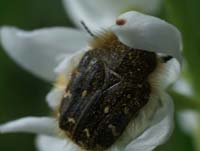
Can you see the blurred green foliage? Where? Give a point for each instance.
(22, 94)
(185, 14)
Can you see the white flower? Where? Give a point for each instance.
(106, 10)
(38, 52)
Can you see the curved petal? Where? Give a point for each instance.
(171, 72)
(149, 33)
(39, 51)
(99, 14)
(159, 131)
(166, 74)
(48, 143)
(69, 63)
(54, 97)
(39, 125)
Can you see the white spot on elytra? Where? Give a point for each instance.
(84, 93)
(86, 130)
(67, 94)
(71, 120)
(106, 109)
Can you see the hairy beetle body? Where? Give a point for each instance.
(107, 89)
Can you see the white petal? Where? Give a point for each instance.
(159, 131)
(172, 70)
(40, 125)
(47, 143)
(54, 97)
(69, 63)
(99, 14)
(39, 51)
(188, 121)
(149, 33)
(166, 74)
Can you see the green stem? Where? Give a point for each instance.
(197, 136)
(183, 102)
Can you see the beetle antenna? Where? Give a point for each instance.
(87, 29)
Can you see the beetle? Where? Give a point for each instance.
(107, 89)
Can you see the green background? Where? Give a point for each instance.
(22, 94)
